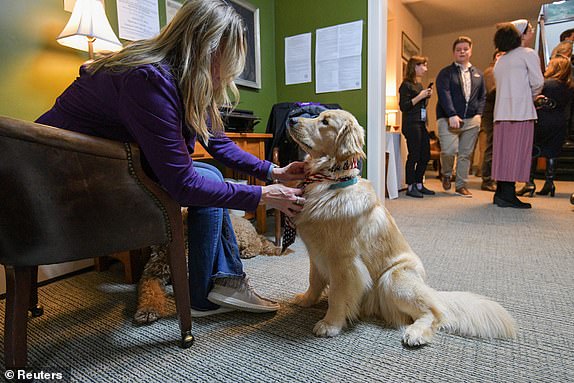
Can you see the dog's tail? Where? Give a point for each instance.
(474, 315)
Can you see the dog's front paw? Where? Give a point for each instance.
(326, 330)
(304, 300)
(416, 336)
(146, 316)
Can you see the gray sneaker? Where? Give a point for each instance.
(241, 297)
(201, 314)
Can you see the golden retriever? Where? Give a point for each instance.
(356, 249)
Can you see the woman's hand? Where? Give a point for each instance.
(425, 93)
(295, 171)
(282, 197)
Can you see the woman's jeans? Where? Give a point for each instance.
(213, 250)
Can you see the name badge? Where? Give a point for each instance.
(423, 114)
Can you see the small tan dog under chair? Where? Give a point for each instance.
(152, 296)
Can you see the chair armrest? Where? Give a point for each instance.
(61, 138)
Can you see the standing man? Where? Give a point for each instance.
(461, 96)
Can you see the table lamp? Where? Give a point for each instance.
(89, 29)
(391, 110)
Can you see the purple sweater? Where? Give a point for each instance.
(143, 105)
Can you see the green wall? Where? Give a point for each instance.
(261, 100)
(293, 17)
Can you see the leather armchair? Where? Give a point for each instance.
(68, 196)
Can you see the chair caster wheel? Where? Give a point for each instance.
(187, 340)
(37, 311)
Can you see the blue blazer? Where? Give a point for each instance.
(451, 99)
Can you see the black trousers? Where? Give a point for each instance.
(418, 144)
(486, 170)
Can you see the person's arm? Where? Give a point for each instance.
(223, 149)
(409, 97)
(489, 81)
(227, 152)
(481, 95)
(444, 93)
(535, 77)
(443, 83)
(149, 107)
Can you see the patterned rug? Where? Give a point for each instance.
(522, 259)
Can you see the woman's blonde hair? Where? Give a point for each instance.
(202, 31)
(562, 49)
(559, 68)
(410, 73)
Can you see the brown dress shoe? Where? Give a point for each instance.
(488, 186)
(446, 184)
(463, 192)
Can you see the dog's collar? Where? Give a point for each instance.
(344, 182)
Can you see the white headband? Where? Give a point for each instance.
(521, 25)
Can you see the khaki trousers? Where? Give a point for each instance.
(457, 142)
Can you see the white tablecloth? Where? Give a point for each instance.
(395, 165)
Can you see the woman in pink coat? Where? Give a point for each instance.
(518, 81)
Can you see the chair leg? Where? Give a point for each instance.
(18, 297)
(178, 268)
(35, 308)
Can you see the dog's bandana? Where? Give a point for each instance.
(290, 231)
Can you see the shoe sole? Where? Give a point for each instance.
(201, 314)
(503, 204)
(236, 304)
(463, 195)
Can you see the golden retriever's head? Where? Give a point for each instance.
(334, 134)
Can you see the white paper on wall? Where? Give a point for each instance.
(298, 59)
(338, 52)
(138, 19)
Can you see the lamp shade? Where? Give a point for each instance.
(89, 22)
(391, 104)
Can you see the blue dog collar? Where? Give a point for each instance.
(343, 184)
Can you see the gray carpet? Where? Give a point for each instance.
(523, 259)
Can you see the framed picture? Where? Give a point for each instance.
(408, 47)
(404, 68)
(251, 76)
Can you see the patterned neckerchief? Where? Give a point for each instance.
(290, 232)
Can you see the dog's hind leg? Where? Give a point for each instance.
(347, 286)
(151, 301)
(151, 287)
(317, 284)
(406, 292)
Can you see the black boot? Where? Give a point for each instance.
(499, 195)
(499, 186)
(529, 187)
(549, 187)
(506, 196)
(516, 202)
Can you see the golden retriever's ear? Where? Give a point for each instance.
(350, 141)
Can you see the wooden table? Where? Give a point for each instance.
(253, 143)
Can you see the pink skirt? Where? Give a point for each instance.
(512, 150)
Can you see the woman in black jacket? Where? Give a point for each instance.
(413, 101)
(551, 130)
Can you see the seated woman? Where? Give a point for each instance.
(164, 93)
